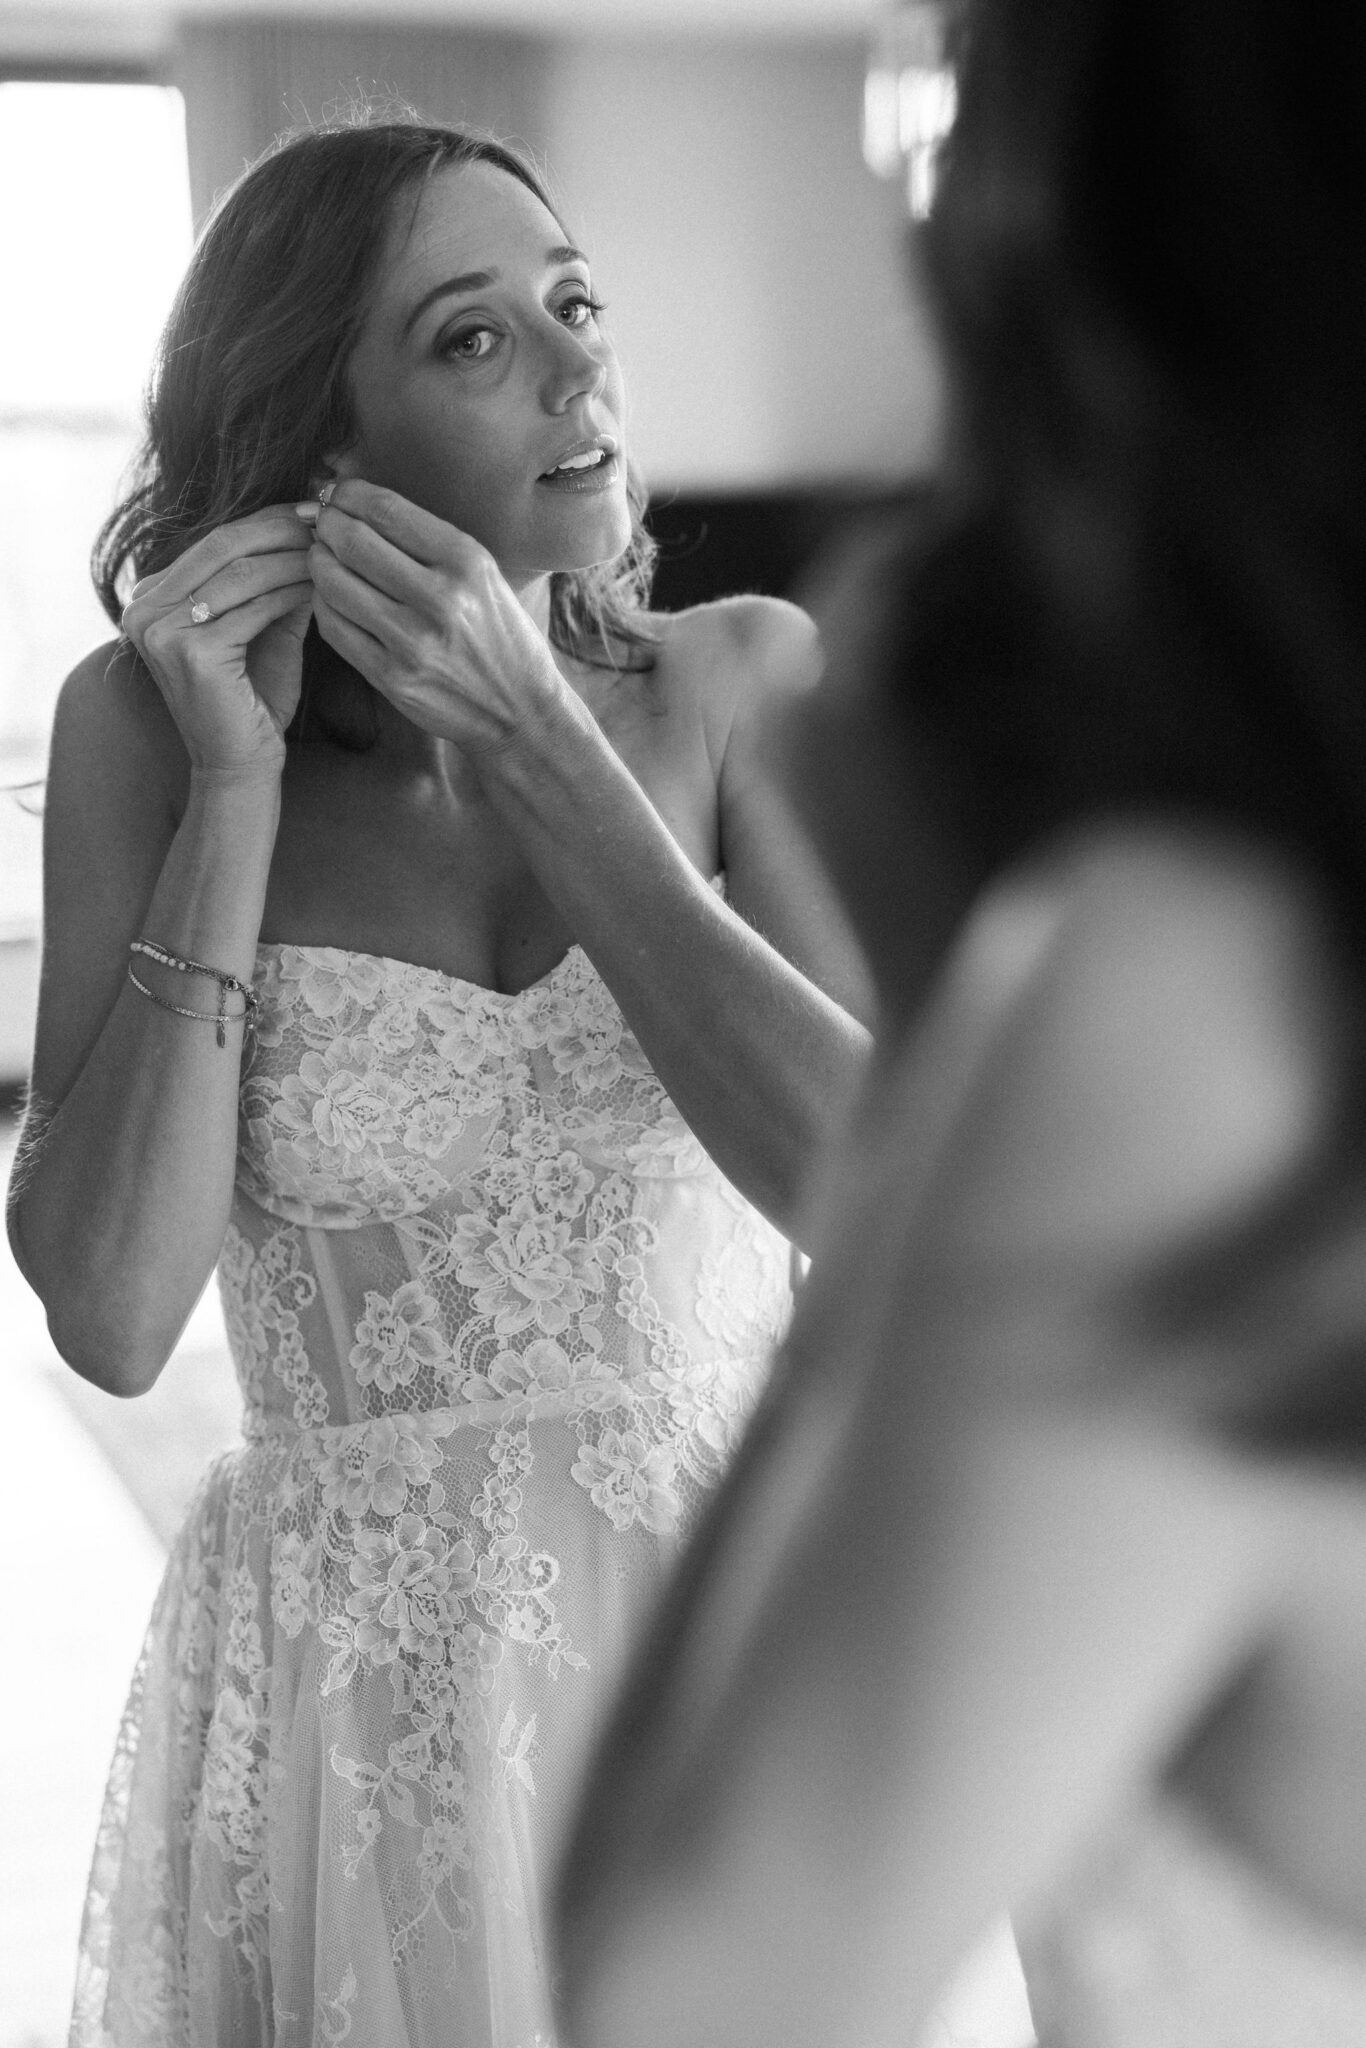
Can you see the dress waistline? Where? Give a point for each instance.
(264, 1427)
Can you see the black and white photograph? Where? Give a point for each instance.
(683, 1024)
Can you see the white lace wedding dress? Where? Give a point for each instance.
(498, 1322)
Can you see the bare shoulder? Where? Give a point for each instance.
(1198, 923)
(732, 666)
(736, 658)
(1177, 1047)
(112, 721)
(761, 631)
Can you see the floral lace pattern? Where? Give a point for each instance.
(498, 1322)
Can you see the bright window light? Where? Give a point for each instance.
(94, 237)
(92, 244)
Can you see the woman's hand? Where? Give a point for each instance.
(222, 633)
(424, 613)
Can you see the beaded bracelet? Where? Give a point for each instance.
(251, 1001)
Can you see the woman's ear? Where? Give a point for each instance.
(330, 469)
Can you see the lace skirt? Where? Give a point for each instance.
(352, 1745)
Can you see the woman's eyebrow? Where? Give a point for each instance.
(480, 280)
(468, 281)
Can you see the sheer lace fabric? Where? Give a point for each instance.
(498, 1322)
(1168, 1938)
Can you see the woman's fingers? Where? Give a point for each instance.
(238, 627)
(423, 612)
(349, 591)
(231, 589)
(155, 619)
(278, 529)
(221, 632)
(362, 649)
(232, 683)
(372, 555)
(415, 533)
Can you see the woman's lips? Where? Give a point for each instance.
(600, 477)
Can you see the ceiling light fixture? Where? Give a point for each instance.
(910, 96)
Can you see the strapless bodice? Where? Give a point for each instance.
(449, 1199)
(375, 1088)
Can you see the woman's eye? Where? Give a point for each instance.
(578, 311)
(470, 344)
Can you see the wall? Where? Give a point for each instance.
(754, 271)
(248, 79)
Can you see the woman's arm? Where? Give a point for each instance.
(746, 1008)
(121, 1196)
(885, 1778)
(976, 1585)
(747, 1028)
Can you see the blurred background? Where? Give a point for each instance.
(711, 155)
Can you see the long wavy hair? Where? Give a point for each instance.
(250, 387)
(1145, 594)
(1148, 588)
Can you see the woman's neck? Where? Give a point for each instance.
(534, 598)
(409, 751)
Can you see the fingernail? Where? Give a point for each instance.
(308, 512)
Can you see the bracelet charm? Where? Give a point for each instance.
(227, 984)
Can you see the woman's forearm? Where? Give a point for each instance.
(119, 1212)
(761, 1063)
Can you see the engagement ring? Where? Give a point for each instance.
(200, 613)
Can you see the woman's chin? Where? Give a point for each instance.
(591, 523)
(594, 552)
(601, 542)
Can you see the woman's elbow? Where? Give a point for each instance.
(115, 1362)
(815, 1130)
(118, 1345)
(119, 1359)
(781, 1189)
(113, 1352)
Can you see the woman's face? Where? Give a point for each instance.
(482, 370)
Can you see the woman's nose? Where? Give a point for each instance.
(575, 367)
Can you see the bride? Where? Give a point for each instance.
(425, 946)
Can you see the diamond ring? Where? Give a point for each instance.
(200, 614)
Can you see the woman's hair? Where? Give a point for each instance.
(1145, 589)
(250, 389)
(1148, 588)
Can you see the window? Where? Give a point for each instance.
(91, 256)
(92, 245)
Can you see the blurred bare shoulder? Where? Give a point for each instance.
(1174, 1050)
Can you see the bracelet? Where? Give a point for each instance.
(251, 1001)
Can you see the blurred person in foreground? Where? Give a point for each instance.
(1042, 1574)
(404, 882)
